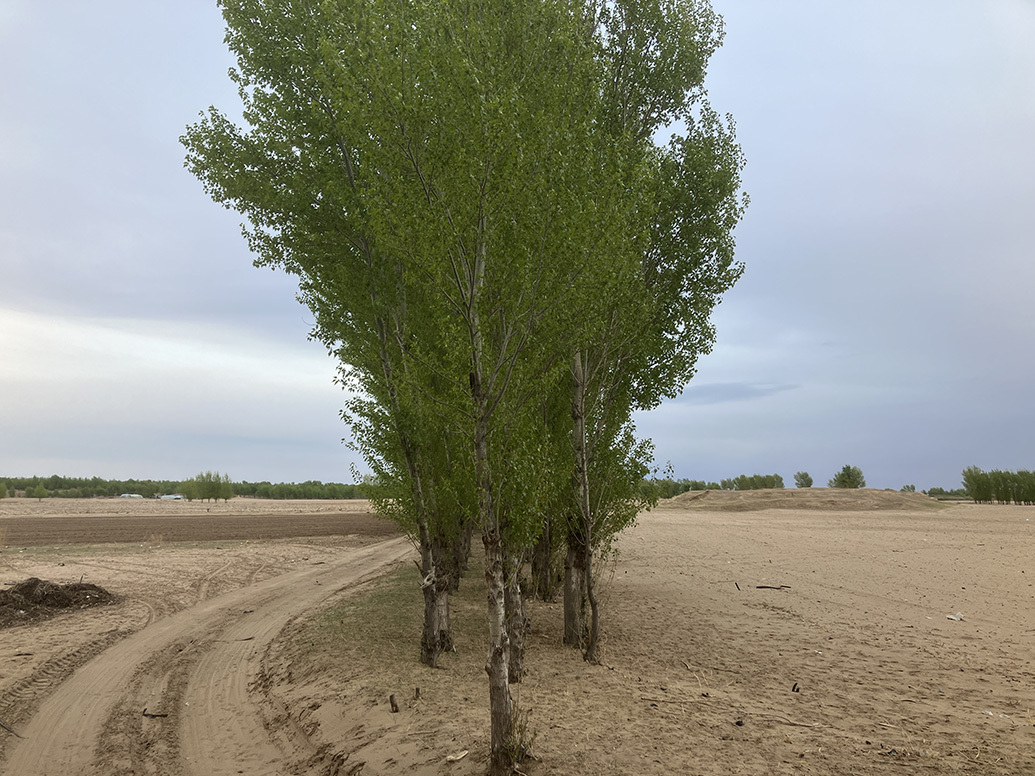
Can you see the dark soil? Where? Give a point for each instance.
(37, 599)
(103, 529)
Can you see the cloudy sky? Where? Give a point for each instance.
(884, 319)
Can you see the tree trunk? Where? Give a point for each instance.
(574, 587)
(443, 618)
(517, 622)
(497, 665)
(578, 414)
(544, 576)
(450, 562)
(431, 645)
(594, 611)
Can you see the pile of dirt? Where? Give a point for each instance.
(37, 599)
(828, 499)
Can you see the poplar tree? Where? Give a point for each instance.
(669, 258)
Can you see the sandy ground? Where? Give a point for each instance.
(849, 666)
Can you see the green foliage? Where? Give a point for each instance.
(848, 477)
(208, 486)
(908, 489)
(802, 480)
(665, 487)
(702, 485)
(39, 492)
(999, 486)
(310, 489)
(3, 490)
(752, 482)
(189, 489)
(942, 492)
(977, 484)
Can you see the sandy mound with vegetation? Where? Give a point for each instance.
(832, 499)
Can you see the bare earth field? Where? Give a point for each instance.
(742, 635)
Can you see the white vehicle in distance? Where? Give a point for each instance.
(130, 495)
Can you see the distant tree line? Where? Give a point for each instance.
(943, 493)
(847, 477)
(57, 486)
(999, 487)
(310, 489)
(752, 482)
(667, 487)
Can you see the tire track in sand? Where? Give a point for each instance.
(220, 726)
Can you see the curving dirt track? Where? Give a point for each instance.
(159, 683)
(191, 672)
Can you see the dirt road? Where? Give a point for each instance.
(173, 697)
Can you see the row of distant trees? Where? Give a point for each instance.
(311, 489)
(36, 491)
(667, 487)
(848, 477)
(202, 486)
(999, 486)
(996, 486)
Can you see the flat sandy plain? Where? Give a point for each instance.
(770, 633)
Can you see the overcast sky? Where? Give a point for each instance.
(884, 319)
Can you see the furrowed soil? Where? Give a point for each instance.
(848, 633)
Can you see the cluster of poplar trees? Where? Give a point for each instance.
(999, 486)
(208, 486)
(501, 255)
